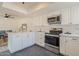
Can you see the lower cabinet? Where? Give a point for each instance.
(74, 46)
(40, 39)
(69, 46)
(28, 39)
(19, 41)
(62, 45)
(14, 43)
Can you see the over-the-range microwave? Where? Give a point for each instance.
(54, 20)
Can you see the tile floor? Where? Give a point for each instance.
(31, 51)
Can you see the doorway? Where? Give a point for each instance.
(3, 41)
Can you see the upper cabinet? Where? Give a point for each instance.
(65, 16)
(70, 15)
(75, 15)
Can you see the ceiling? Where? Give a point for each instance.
(19, 10)
(27, 7)
(13, 13)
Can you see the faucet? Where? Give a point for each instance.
(67, 33)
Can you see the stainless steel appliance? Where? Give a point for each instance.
(54, 20)
(52, 40)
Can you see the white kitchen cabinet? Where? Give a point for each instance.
(70, 15)
(75, 15)
(15, 43)
(66, 16)
(69, 45)
(26, 39)
(40, 38)
(73, 46)
(30, 38)
(62, 45)
(19, 41)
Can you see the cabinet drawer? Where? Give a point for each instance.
(41, 44)
(41, 39)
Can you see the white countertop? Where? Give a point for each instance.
(70, 35)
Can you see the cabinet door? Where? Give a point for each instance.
(75, 15)
(62, 45)
(28, 39)
(10, 41)
(31, 39)
(40, 39)
(25, 40)
(67, 45)
(16, 44)
(74, 47)
(66, 16)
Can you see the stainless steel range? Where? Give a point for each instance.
(52, 40)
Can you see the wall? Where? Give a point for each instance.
(69, 15)
(8, 24)
(37, 23)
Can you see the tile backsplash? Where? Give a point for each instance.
(74, 29)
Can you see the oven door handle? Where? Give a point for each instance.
(52, 35)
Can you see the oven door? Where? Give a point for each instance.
(52, 40)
